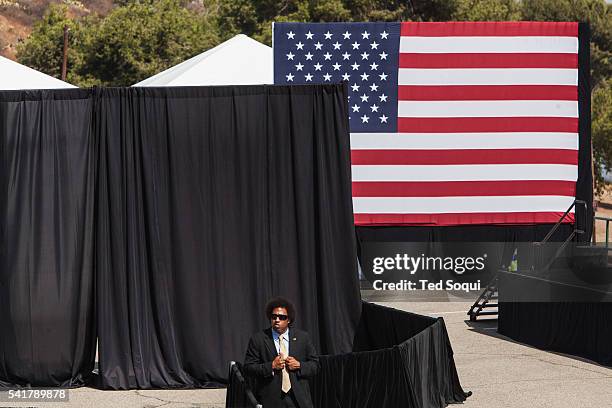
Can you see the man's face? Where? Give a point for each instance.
(279, 325)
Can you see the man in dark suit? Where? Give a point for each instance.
(281, 359)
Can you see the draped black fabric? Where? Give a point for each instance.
(473, 233)
(399, 359)
(211, 200)
(581, 329)
(47, 179)
(584, 185)
(239, 392)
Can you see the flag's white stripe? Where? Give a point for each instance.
(434, 205)
(472, 109)
(432, 141)
(437, 45)
(488, 76)
(465, 172)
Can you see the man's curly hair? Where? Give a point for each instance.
(281, 302)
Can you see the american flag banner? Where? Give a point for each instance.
(451, 123)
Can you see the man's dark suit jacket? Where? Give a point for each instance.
(258, 364)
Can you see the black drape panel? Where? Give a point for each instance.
(47, 177)
(211, 200)
(239, 392)
(400, 359)
(581, 329)
(584, 185)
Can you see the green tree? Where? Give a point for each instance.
(486, 10)
(143, 38)
(601, 129)
(43, 49)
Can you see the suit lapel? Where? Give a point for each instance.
(293, 343)
(270, 342)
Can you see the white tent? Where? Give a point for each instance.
(17, 76)
(238, 61)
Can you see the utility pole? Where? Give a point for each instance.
(65, 59)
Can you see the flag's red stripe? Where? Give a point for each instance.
(508, 60)
(494, 29)
(464, 156)
(462, 218)
(487, 92)
(462, 188)
(512, 124)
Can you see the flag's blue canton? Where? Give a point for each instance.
(363, 54)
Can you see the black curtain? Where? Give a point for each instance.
(584, 185)
(400, 359)
(47, 178)
(211, 200)
(581, 329)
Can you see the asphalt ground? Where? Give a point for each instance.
(500, 372)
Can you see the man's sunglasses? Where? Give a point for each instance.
(280, 317)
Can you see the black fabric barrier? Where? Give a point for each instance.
(211, 201)
(47, 178)
(193, 206)
(581, 329)
(239, 393)
(421, 346)
(400, 359)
